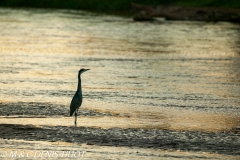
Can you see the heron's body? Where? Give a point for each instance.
(76, 102)
(77, 98)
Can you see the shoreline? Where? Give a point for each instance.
(141, 12)
(145, 117)
(151, 128)
(217, 143)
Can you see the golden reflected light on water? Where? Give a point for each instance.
(131, 116)
(181, 65)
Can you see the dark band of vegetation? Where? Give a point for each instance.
(114, 5)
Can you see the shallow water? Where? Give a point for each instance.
(148, 67)
(191, 65)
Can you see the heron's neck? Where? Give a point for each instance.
(79, 84)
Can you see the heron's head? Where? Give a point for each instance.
(82, 70)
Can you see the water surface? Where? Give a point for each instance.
(192, 65)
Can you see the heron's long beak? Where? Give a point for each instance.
(85, 70)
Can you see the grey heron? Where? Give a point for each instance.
(77, 98)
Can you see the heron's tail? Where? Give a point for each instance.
(71, 112)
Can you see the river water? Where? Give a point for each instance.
(165, 64)
(176, 65)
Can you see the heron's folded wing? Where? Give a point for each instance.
(76, 103)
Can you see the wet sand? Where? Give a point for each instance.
(105, 152)
(108, 115)
(147, 132)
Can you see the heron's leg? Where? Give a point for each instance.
(76, 112)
